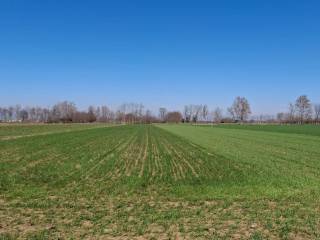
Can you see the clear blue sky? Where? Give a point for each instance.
(161, 52)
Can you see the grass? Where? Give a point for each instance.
(159, 182)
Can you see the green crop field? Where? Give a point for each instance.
(298, 129)
(159, 182)
(13, 131)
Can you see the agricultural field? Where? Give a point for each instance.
(298, 129)
(159, 182)
(13, 131)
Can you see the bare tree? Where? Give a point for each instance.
(10, 113)
(281, 117)
(231, 113)
(4, 114)
(205, 112)
(196, 112)
(39, 114)
(217, 115)
(121, 113)
(91, 114)
(304, 108)
(187, 112)
(148, 118)
(1, 114)
(17, 112)
(46, 114)
(61, 112)
(193, 113)
(106, 114)
(317, 112)
(240, 109)
(131, 113)
(32, 114)
(97, 113)
(119, 117)
(24, 115)
(140, 111)
(291, 116)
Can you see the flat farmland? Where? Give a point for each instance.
(159, 182)
(13, 131)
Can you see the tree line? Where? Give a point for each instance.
(302, 111)
(67, 112)
(299, 112)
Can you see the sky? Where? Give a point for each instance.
(160, 52)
